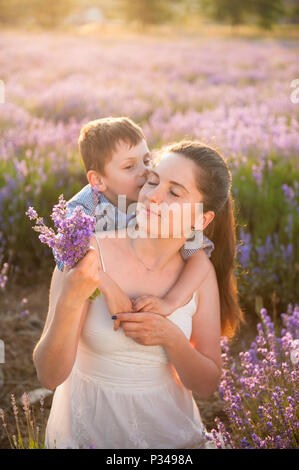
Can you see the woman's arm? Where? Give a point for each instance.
(55, 353)
(198, 361)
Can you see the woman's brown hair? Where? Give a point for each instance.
(214, 181)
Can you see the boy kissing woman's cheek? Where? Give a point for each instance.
(117, 161)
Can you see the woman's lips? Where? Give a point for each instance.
(149, 212)
(143, 208)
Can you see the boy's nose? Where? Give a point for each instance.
(142, 175)
(143, 171)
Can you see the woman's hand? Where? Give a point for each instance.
(149, 329)
(151, 303)
(116, 300)
(81, 281)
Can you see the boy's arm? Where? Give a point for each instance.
(196, 253)
(195, 271)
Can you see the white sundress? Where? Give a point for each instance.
(123, 395)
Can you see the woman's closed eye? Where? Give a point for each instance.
(151, 183)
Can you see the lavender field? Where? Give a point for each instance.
(233, 94)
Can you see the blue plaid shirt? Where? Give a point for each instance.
(109, 217)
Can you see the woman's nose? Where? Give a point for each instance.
(155, 196)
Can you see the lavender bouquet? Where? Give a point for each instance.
(71, 242)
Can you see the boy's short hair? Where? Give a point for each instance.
(98, 140)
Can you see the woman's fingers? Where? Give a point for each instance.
(129, 326)
(133, 321)
(134, 317)
(137, 304)
(141, 302)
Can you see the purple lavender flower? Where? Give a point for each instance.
(260, 392)
(3, 275)
(32, 214)
(72, 240)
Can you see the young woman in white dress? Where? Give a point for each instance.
(132, 388)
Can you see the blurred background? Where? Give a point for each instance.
(264, 13)
(222, 71)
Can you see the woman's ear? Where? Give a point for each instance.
(204, 221)
(96, 180)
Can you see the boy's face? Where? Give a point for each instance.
(126, 172)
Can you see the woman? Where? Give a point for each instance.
(132, 388)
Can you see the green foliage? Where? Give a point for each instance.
(46, 14)
(268, 12)
(270, 220)
(292, 12)
(231, 11)
(51, 14)
(147, 11)
(265, 13)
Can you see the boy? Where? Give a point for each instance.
(117, 159)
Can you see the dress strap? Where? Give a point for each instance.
(100, 251)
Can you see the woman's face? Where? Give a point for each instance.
(169, 203)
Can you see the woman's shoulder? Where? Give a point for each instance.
(209, 279)
(112, 240)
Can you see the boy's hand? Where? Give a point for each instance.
(116, 300)
(151, 303)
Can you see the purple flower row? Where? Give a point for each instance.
(260, 390)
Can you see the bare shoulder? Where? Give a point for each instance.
(208, 272)
(111, 237)
(211, 272)
(111, 241)
(208, 298)
(206, 322)
(208, 288)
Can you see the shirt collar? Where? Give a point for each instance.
(122, 218)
